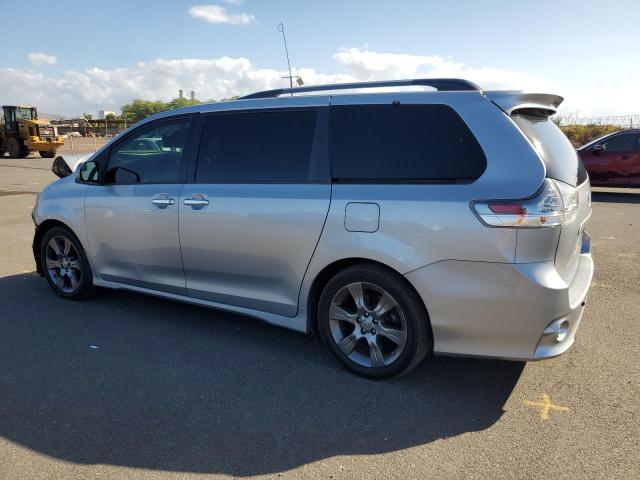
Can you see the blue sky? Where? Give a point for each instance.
(84, 57)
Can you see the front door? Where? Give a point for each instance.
(251, 221)
(614, 160)
(132, 219)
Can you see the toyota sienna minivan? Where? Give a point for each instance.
(431, 217)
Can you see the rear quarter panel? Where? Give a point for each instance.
(425, 223)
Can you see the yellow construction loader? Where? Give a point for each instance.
(22, 132)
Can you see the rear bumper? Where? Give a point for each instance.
(511, 311)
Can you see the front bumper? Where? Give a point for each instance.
(35, 247)
(44, 145)
(511, 311)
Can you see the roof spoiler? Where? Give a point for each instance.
(512, 101)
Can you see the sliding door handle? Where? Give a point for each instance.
(163, 202)
(197, 201)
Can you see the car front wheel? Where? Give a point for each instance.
(65, 264)
(373, 322)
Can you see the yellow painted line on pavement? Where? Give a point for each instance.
(545, 406)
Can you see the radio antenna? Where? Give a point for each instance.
(286, 51)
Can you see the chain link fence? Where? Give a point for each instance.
(622, 121)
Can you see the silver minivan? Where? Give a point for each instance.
(428, 216)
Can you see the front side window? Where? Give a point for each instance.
(256, 147)
(625, 142)
(152, 154)
(23, 113)
(402, 143)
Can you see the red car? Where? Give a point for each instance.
(614, 159)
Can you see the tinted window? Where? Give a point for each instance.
(264, 146)
(403, 142)
(153, 153)
(621, 143)
(561, 159)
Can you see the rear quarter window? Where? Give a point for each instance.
(561, 159)
(403, 143)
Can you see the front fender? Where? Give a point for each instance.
(62, 202)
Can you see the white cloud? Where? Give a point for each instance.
(369, 65)
(219, 14)
(94, 89)
(39, 58)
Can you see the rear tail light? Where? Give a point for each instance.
(554, 205)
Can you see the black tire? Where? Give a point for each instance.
(47, 153)
(416, 327)
(84, 279)
(16, 148)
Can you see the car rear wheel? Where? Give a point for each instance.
(65, 264)
(373, 322)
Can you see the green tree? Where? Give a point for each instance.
(111, 116)
(181, 102)
(139, 109)
(582, 134)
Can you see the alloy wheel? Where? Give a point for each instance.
(63, 264)
(367, 324)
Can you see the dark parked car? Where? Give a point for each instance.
(614, 159)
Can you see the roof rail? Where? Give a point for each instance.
(440, 84)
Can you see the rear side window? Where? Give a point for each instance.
(561, 159)
(261, 147)
(403, 143)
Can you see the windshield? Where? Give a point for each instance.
(23, 113)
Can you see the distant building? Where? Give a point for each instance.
(102, 114)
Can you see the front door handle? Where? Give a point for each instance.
(625, 157)
(163, 202)
(196, 202)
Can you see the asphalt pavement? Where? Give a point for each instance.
(127, 386)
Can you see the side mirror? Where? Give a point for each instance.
(122, 176)
(597, 149)
(60, 167)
